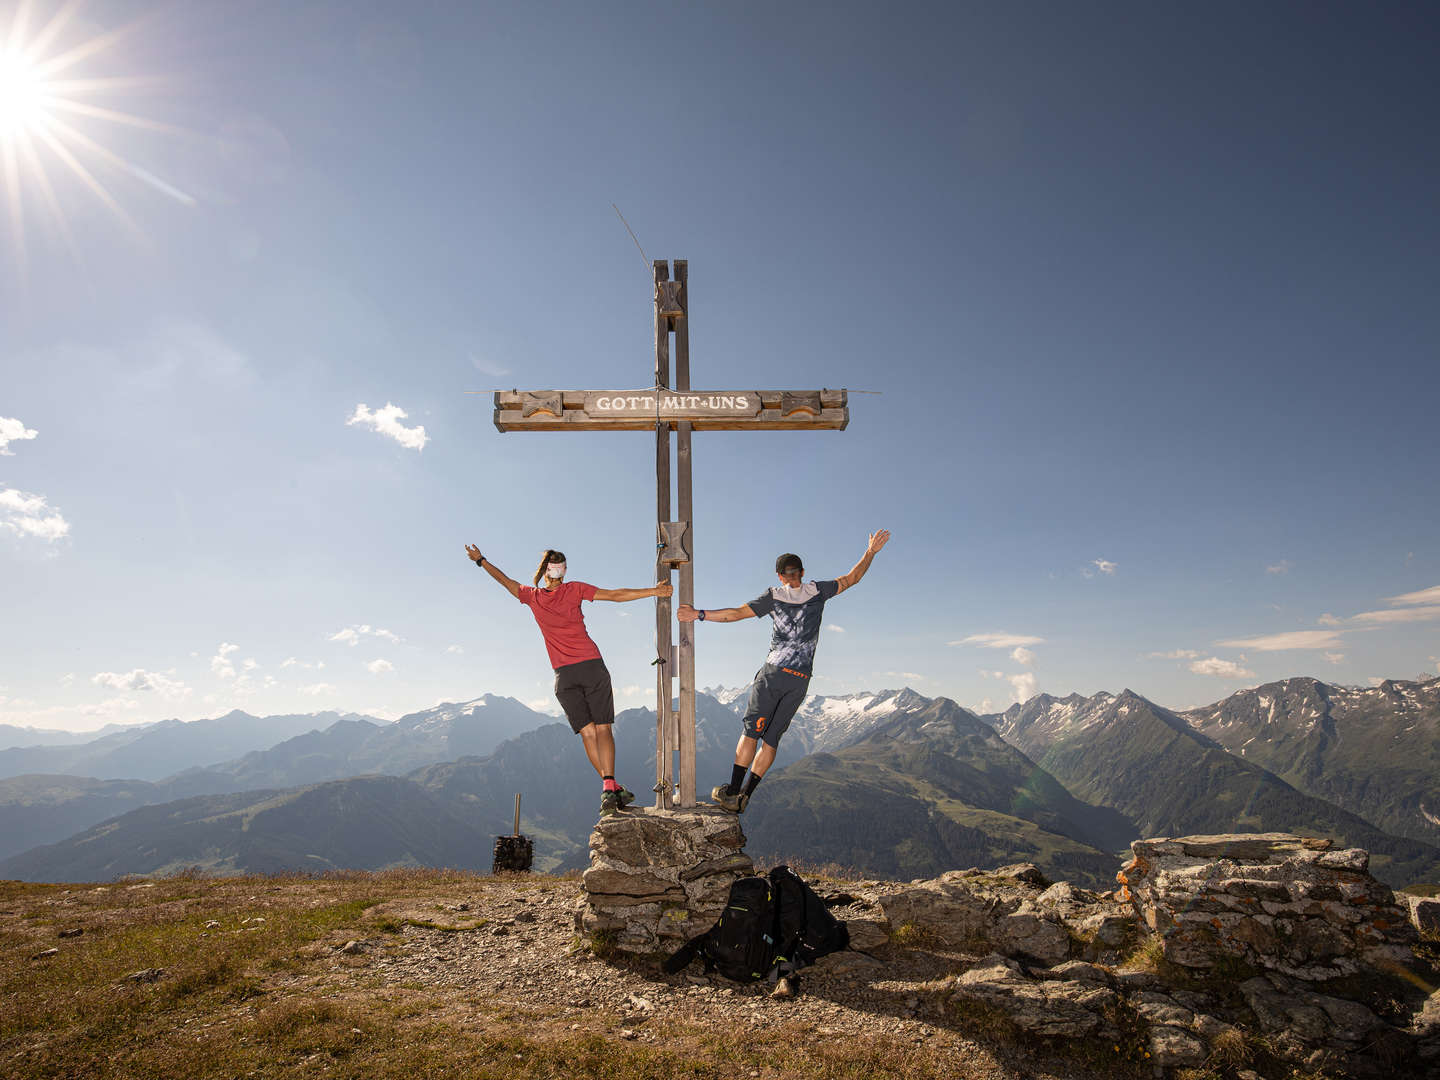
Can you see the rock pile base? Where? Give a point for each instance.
(659, 877)
(1277, 902)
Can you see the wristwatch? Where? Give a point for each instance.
(701, 615)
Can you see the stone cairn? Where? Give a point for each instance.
(1212, 946)
(657, 878)
(1275, 902)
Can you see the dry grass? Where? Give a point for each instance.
(248, 998)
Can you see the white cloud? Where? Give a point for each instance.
(1282, 567)
(834, 627)
(1022, 655)
(1375, 680)
(304, 665)
(375, 667)
(999, 640)
(1175, 654)
(549, 706)
(351, 635)
(1024, 686)
(1328, 620)
(1424, 596)
(1226, 669)
(316, 689)
(985, 705)
(1334, 657)
(12, 430)
(488, 367)
(220, 663)
(1291, 639)
(27, 514)
(386, 421)
(986, 673)
(139, 679)
(1398, 615)
(456, 649)
(1105, 566)
(913, 676)
(636, 691)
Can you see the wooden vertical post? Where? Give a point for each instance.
(664, 725)
(686, 741)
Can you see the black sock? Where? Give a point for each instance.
(752, 784)
(737, 777)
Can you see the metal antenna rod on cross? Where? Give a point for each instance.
(664, 409)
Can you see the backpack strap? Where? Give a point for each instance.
(682, 956)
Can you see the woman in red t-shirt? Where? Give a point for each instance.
(582, 682)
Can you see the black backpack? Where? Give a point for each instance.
(770, 927)
(804, 928)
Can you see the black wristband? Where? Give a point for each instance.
(701, 615)
(480, 560)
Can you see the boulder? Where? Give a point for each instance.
(659, 877)
(1054, 1008)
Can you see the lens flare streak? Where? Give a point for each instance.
(33, 99)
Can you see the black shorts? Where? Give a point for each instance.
(774, 699)
(584, 693)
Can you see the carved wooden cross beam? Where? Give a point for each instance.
(682, 410)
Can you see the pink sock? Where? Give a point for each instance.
(610, 784)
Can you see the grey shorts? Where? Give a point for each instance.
(775, 697)
(584, 693)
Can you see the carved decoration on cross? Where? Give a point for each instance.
(666, 407)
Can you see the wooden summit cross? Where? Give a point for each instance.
(662, 409)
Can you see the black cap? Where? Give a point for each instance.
(787, 562)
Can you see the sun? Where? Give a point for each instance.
(58, 128)
(22, 95)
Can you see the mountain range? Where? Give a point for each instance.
(887, 782)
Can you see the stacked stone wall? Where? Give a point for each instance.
(1277, 902)
(658, 878)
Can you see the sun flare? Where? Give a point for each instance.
(22, 95)
(57, 121)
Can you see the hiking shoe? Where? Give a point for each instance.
(787, 987)
(610, 803)
(734, 803)
(718, 792)
(625, 795)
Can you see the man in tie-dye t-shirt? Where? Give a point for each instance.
(796, 608)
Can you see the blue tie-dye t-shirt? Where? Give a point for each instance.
(796, 614)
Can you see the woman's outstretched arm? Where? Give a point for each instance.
(621, 596)
(512, 587)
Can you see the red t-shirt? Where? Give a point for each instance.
(561, 624)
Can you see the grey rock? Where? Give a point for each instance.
(354, 948)
(1058, 1008)
(1174, 1046)
(1424, 913)
(146, 975)
(73, 932)
(867, 934)
(1078, 971)
(44, 953)
(1029, 873)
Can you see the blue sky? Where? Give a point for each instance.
(1145, 291)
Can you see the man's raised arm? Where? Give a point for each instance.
(686, 613)
(877, 541)
(512, 587)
